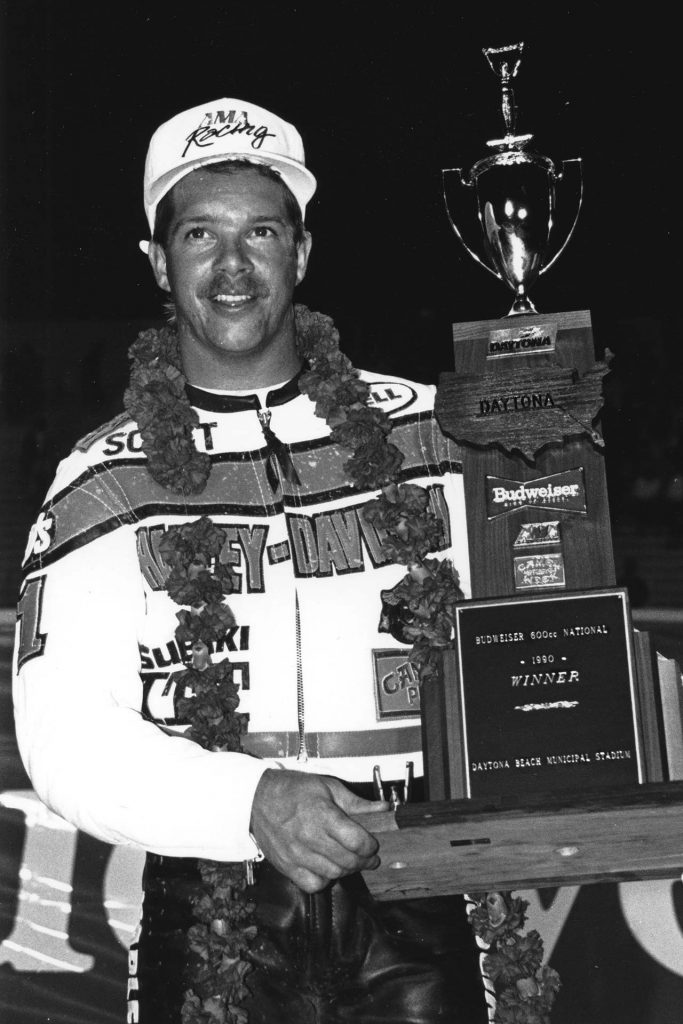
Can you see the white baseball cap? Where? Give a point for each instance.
(226, 129)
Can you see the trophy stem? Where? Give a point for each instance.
(522, 305)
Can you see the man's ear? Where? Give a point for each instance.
(302, 254)
(157, 258)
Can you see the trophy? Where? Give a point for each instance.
(544, 722)
(532, 700)
(517, 191)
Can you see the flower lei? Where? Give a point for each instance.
(422, 603)
(525, 988)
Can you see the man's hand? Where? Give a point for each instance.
(301, 823)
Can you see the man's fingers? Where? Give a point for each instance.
(306, 880)
(310, 883)
(302, 824)
(311, 872)
(315, 881)
(349, 835)
(338, 839)
(352, 804)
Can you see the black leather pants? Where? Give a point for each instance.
(339, 957)
(335, 957)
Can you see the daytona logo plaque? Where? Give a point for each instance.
(527, 341)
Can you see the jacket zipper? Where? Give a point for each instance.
(302, 754)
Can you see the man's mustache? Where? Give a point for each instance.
(244, 286)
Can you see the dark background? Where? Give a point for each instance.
(385, 94)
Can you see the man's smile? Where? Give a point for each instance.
(230, 301)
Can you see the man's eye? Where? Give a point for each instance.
(263, 231)
(197, 233)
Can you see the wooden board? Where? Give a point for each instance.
(491, 446)
(586, 538)
(455, 846)
(523, 411)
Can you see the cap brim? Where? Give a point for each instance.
(297, 177)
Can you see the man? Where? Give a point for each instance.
(328, 698)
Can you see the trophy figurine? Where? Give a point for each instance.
(516, 192)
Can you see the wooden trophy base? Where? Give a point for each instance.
(456, 846)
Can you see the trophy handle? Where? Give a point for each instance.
(465, 214)
(571, 177)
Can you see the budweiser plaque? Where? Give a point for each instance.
(561, 491)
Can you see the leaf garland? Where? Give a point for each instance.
(156, 399)
(218, 942)
(424, 600)
(423, 603)
(525, 989)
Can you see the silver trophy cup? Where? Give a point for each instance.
(517, 192)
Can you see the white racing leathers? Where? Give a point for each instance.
(325, 691)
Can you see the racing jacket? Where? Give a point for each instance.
(96, 658)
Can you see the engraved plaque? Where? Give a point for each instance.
(547, 693)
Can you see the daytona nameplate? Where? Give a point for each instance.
(518, 408)
(565, 492)
(547, 692)
(522, 341)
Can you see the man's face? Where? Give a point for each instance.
(231, 265)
